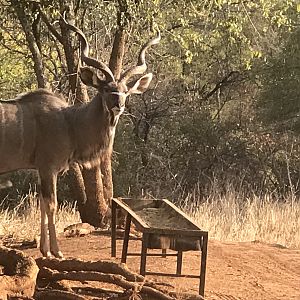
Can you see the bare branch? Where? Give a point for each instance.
(14, 50)
(51, 27)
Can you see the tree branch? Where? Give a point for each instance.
(225, 81)
(51, 27)
(14, 50)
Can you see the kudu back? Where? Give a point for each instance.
(38, 130)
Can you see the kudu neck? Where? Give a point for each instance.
(93, 130)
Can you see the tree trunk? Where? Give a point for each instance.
(117, 53)
(20, 11)
(115, 64)
(77, 88)
(107, 181)
(77, 187)
(95, 209)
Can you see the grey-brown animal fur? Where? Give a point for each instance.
(38, 130)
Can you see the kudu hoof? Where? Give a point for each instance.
(47, 254)
(57, 254)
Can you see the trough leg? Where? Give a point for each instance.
(113, 228)
(126, 238)
(203, 265)
(144, 253)
(179, 263)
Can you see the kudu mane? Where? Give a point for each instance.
(89, 143)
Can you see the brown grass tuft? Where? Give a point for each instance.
(233, 217)
(229, 217)
(23, 222)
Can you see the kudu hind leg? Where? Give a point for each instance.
(48, 212)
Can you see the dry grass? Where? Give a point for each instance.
(233, 217)
(23, 222)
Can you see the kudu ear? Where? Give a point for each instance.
(89, 77)
(141, 85)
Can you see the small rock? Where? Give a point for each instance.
(79, 229)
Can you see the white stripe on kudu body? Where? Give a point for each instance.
(21, 128)
(40, 131)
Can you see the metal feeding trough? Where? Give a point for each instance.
(163, 226)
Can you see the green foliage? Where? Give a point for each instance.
(16, 73)
(211, 127)
(223, 73)
(280, 99)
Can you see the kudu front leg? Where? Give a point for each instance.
(48, 204)
(44, 240)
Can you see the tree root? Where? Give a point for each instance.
(57, 295)
(97, 266)
(116, 279)
(135, 286)
(58, 277)
(19, 274)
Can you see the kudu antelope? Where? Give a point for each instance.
(38, 130)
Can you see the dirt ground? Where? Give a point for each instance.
(235, 271)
